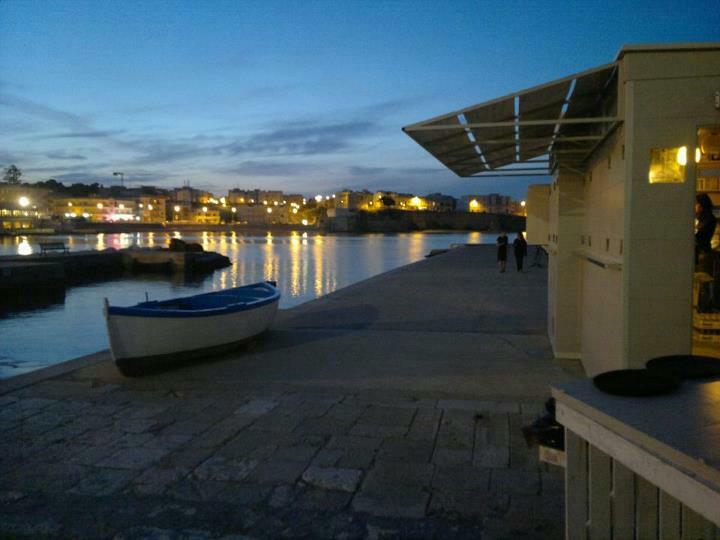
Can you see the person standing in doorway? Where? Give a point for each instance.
(520, 249)
(705, 230)
(502, 243)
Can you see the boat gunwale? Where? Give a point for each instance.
(155, 312)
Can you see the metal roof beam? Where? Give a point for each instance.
(550, 121)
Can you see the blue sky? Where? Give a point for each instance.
(304, 96)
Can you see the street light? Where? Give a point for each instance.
(24, 202)
(122, 177)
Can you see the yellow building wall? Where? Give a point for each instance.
(538, 214)
(668, 96)
(601, 253)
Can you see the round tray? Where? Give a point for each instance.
(686, 366)
(636, 382)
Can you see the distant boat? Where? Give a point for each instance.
(154, 334)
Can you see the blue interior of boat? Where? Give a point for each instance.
(220, 302)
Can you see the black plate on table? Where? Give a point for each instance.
(686, 366)
(636, 382)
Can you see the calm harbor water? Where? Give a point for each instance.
(305, 265)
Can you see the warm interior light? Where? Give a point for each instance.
(522, 203)
(682, 156)
(150, 206)
(233, 209)
(474, 204)
(698, 155)
(121, 206)
(304, 222)
(269, 210)
(318, 198)
(204, 208)
(100, 205)
(415, 201)
(176, 208)
(69, 204)
(24, 201)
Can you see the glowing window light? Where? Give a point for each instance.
(24, 201)
(204, 208)
(150, 206)
(69, 204)
(233, 209)
(73, 214)
(698, 155)
(121, 206)
(67, 214)
(522, 203)
(474, 205)
(415, 201)
(295, 210)
(318, 198)
(176, 208)
(275, 203)
(269, 210)
(85, 215)
(682, 156)
(140, 205)
(304, 222)
(265, 203)
(99, 205)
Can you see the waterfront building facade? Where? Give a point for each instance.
(22, 207)
(628, 145)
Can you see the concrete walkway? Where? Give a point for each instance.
(391, 408)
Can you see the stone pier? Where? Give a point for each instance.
(388, 409)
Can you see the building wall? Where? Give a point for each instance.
(668, 96)
(602, 245)
(538, 213)
(566, 213)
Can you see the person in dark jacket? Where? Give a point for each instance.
(502, 242)
(520, 249)
(706, 223)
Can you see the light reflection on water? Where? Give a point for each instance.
(305, 266)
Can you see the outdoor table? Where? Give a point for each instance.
(641, 467)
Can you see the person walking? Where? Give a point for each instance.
(502, 242)
(520, 249)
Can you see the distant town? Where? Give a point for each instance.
(50, 206)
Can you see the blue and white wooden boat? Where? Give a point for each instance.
(159, 333)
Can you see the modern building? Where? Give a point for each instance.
(493, 203)
(22, 207)
(628, 145)
(441, 203)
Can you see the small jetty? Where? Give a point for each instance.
(30, 281)
(388, 409)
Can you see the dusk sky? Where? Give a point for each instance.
(303, 96)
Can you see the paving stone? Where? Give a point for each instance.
(167, 442)
(328, 457)
(102, 482)
(277, 472)
(193, 489)
(347, 412)
(43, 477)
(134, 440)
(324, 426)
(134, 425)
(156, 533)
(357, 458)
(492, 441)
(276, 423)
(393, 501)
(256, 407)
(301, 454)
(425, 425)
(384, 475)
(374, 430)
(521, 457)
(282, 496)
(187, 457)
(515, 482)
(133, 458)
(457, 430)
(479, 406)
(406, 450)
(224, 431)
(242, 494)
(223, 469)
(156, 480)
(11, 496)
(452, 456)
(19, 527)
(461, 478)
(388, 416)
(332, 478)
(458, 504)
(100, 437)
(353, 441)
(323, 499)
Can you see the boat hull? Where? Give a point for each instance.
(139, 344)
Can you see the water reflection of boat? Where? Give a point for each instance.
(155, 334)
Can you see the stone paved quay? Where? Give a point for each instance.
(388, 409)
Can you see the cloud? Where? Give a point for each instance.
(61, 154)
(269, 168)
(86, 134)
(357, 170)
(32, 108)
(303, 139)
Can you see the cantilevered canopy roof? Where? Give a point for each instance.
(528, 133)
